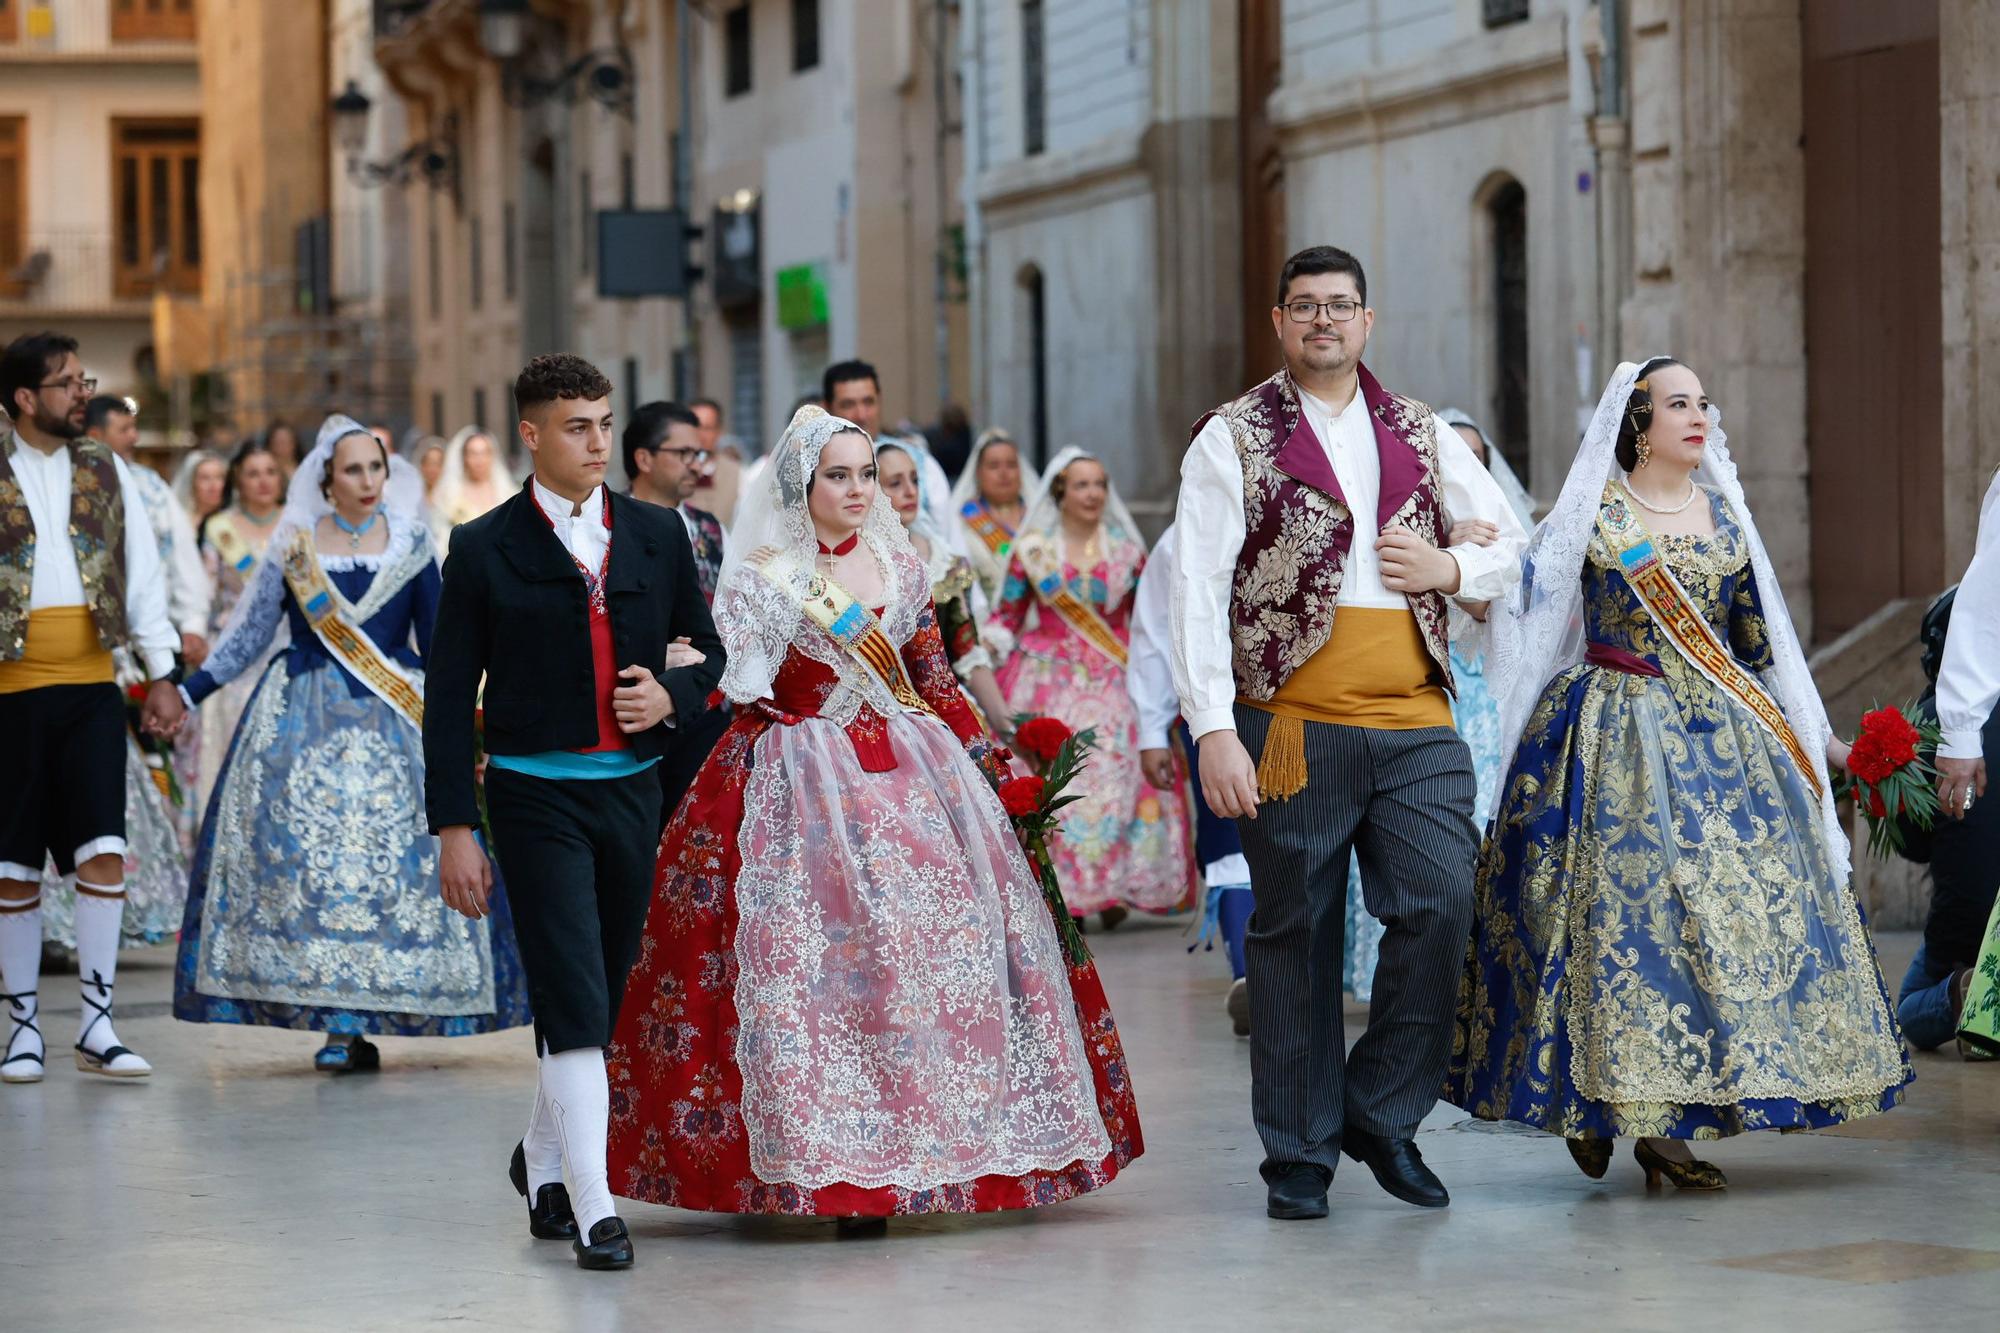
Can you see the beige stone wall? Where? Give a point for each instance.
(264, 171)
(1969, 48)
(1718, 202)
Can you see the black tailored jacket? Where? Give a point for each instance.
(515, 609)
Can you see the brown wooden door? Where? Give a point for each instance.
(152, 21)
(13, 201)
(1873, 296)
(156, 189)
(1260, 57)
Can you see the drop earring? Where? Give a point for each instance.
(1642, 450)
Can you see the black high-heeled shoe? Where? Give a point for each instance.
(550, 1216)
(1691, 1175)
(860, 1228)
(1593, 1156)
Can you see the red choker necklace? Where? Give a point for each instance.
(853, 540)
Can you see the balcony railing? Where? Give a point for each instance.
(95, 29)
(73, 273)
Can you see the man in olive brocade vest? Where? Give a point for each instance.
(80, 576)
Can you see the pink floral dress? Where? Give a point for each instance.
(1125, 843)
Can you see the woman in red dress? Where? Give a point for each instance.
(851, 999)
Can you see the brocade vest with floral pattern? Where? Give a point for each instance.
(96, 531)
(1298, 529)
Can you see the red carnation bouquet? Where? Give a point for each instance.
(1892, 778)
(1057, 755)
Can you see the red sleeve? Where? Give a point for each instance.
(931, 673)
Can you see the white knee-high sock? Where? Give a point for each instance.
(579, 1101)
(20, 973)
(542, 1145)
(100, 913)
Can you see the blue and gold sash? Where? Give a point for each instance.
(1045, 569)
(852, 625)
(323, 606)
(1682, 624)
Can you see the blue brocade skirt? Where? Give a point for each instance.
(313, 898)
(1659, 944)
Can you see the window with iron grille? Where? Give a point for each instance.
(1498, 12)
(805, 35)
(736, 51)
(1034, 111)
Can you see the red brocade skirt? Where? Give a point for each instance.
(678, 1132)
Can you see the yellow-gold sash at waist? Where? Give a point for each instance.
(62, 649)
(1373, 671)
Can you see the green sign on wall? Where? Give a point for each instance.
(802, 296)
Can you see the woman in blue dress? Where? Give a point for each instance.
(1666, 943)
(313, 900)
(1473, 710)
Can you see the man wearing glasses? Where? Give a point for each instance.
(665, 461)
(1309, 615)
(80, 575)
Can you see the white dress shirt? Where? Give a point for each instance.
(190, 592)
(580, 528)
(1969, 680)
(1149, 676)
(45, 486)
(1212, 530)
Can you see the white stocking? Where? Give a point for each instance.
(578, 1098)
(100, 912)
(20, 974)
(542, 1144)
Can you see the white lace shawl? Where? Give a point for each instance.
(760, 619)
(1539, 632)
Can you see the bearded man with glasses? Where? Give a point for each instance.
(1309, 630)
(80, 576)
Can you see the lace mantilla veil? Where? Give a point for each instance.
(402, 501)
(759, 621)
(1538, 632)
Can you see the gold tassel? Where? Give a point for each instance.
(1281, 771)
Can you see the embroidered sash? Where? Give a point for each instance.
(991, 532)
(1682, 625)
(232, 547)
(1039, 557)
(852, 625)
(322, 605)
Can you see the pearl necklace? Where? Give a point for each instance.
(1693, 491)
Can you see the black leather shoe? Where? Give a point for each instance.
(549, 1215)
(610, 1246)
(1299, 1195)
(1398, 1166)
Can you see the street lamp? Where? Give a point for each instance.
(604, 75)
(434, 159)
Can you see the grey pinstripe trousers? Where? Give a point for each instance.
(1402, 801)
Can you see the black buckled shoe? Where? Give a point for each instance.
(1398, 1167)
(549, 1214)
(610, 1246)
(1299, 1195)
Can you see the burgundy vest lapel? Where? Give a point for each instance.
(1302, 456)
(1402, 469)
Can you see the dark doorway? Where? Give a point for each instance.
(1873, 307)
(1260, 58)
(1507, 230)
(1034, 299)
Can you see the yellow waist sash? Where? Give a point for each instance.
(62, 649)
(1373, 671)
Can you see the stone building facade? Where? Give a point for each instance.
(101, 186)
